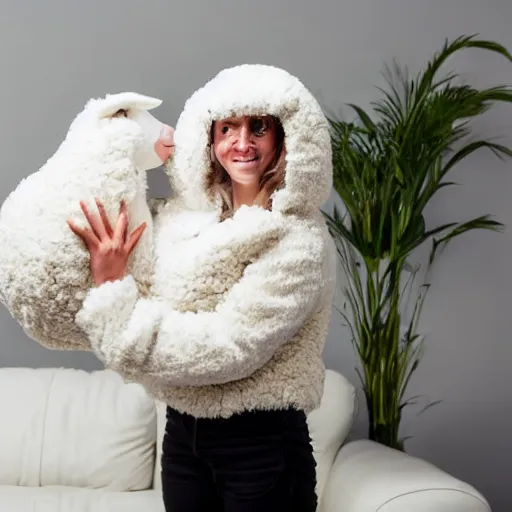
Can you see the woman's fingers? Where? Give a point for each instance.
(95, 222)
(89, 238)
(121, 226)
(134, 237)
(104, 218)
(101, 230)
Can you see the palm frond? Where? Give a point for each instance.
(483, 222)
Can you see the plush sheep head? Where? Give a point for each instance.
(127, 111)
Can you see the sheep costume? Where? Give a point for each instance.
(239, 309)
(44, 266)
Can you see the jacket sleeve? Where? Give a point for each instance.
(260, 313)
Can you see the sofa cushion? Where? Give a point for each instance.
(75, 428)
(70, 499)
(368, 476)
(329, 426)
(23, 400)
(161, 410)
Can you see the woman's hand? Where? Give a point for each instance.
(109, 248)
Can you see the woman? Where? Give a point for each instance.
(232, 335)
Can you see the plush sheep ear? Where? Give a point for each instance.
(112, 103)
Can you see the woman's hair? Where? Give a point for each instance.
(218, 182)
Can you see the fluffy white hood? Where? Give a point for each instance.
(256, 90)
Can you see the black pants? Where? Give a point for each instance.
(250, 462)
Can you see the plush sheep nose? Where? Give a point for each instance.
(167, 135)
(164, 146)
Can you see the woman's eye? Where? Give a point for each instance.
(224, 130)
(258, 126)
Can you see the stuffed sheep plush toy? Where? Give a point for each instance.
(44, 266)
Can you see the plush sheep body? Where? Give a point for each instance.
(44, 266)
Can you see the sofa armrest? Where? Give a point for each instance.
(369, 477)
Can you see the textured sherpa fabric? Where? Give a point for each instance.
(44, 266)
(239, 309)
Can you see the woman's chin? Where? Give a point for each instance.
(246, 174)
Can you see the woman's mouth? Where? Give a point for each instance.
(247, 164)
(246, 160)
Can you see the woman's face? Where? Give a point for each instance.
(245, 147)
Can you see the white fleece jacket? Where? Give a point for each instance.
(239, 309)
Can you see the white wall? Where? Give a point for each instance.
(54, 55)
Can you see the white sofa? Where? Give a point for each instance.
(73, 441)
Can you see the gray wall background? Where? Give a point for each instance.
(54, 55)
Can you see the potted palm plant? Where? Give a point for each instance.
(388, 165)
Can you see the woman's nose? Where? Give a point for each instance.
(243, 140)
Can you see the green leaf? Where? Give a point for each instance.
(483, 222)
(428, 406)
(363, 116)
(498, 149)
(434, 231)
